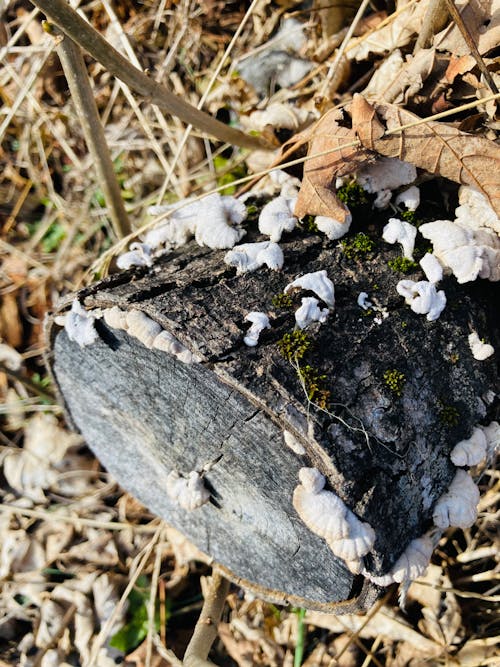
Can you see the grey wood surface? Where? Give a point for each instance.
(145, 413)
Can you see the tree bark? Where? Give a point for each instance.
(144, 413)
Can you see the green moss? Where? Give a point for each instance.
(357, 247)
(294, 345)
(308, 224)
(409, 216)
(402, 265)
(448, 414)
(282, 301)
(352, 194)
(395, 381)
(314, 385)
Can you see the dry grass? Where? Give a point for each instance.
(71, 528)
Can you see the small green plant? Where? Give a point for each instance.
(395, 381)
(448, 414)
(136, 628)
(282, 301)
(352, 194)
(357, 247)
(402, 265)
(308, 224)
(294, 345)
(409, 216)
(229, 173)
(314, 385)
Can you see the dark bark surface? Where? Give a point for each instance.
(387, 456)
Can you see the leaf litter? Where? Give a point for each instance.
(64, 565)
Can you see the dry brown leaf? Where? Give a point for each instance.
(475, 14)
(397, 80)
(436, 147)
(317, 193)
(459, 66)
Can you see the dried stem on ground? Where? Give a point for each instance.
(436, 17)
(89, 39)
(76, 75)
(205, 631)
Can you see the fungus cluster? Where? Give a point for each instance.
(80, 328)
(480, 350)
(317, 282)
(458, 506)
(189, 492)
(398, 231)
(422, 297)
(251, 256)
(213, 221)
(325, 514)
(471, 451)
(412, 563)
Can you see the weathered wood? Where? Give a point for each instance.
(145, 413)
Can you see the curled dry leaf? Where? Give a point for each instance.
(435, 147)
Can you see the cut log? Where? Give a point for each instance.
(383, 446)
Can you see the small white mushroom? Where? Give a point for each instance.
(363, 301)
(479, 349)
(251, 256)
(471, 451)
(188, 493)
(326, 515)
(212, 228)
(423, 298)
(475, 207)
(115, 317)
(260, 321)
(445, 235)
(333, 229)
(492, 433)
(410, 198)
(289, 185)
(236, 211)
(458, 506)
(309, 312)
(386, 174)
(142, 327)
(138, 255)
(431, 267)
(166, 342)
(294, 444)
(79, 325)
(382, 199)
(412, 563)
(398, 231)
(277, 217)
(317, 282)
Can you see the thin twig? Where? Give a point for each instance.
(455, 14)
(205, 630)
(76, 75)
(89, 39)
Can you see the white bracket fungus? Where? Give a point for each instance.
(431, 267)
(423, 298)
(472, 451)
(138, 255)
(277, 217)
(325, 514)
(412, 563)
(209, 220)
(458, 506)
(398, 231)
(333, 229)
(363, 301)
(260, 321)
(79, 324)
(251, 256)
(295, 445)
(317, 282)
(188, 493)
(492, 433)
(166, 342)
(475, 208)
(479, 349)
(384, 175)
(410, 198)
(289, 185)
(115, 317)
(142, 327)
(309, 312)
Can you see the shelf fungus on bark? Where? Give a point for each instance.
(259, 321)
(317, 282)
(422, 297)
(277, 217)
(79, 324)
(189, 492)
(398, 231)
(472, 451)
(326, 515)
(309, 312)
(333, 229)
(458, 506)
(480, 350)
(251, 256)
(139, 254)
(412, 563)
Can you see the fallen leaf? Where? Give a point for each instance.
(317, 193)
(397, 80)
(475, 14)
(436, 147)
